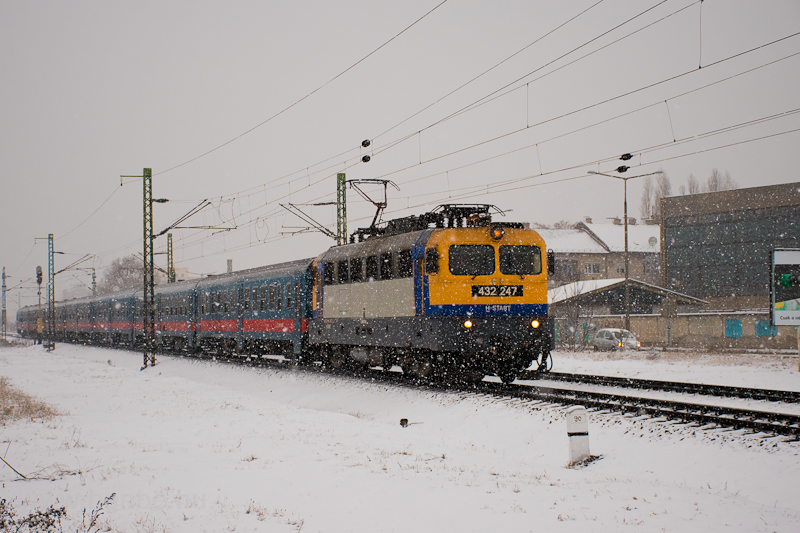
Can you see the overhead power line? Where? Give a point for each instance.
(282, 111)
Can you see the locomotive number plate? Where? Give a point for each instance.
(496, 290)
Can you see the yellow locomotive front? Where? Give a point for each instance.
(487, 286)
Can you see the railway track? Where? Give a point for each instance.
(705, 416)
(701, 415)
(669, 386)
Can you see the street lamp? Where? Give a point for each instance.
(625, 179)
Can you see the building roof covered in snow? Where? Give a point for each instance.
(641, 238)
(571, 241)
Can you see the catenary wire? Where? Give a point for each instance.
(279, 113)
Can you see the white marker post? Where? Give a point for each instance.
(578, 433)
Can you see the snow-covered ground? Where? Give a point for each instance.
(201, 446)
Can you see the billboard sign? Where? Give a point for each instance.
(785, 287)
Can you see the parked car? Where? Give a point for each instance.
(615, 339)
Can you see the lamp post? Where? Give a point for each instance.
(625, 179)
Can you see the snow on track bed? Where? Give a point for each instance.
(193, 445)
(766, 371)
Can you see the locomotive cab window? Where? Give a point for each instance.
(341, 272)
(520, 260)
(431, 261)
(405, 266)
(471, 259)
(356, 270)
(372, 268)
(386, 266)
(330, 278)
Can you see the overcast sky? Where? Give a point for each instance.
(92, 90)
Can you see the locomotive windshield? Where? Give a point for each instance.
(471, 259)
(520, 260)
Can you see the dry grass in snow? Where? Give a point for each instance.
(15, 404)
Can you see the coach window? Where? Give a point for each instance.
(264, 298)
(297, 295)
(272, 297)
(254, 298)
(288, 296)
(356, 270)
(520, 260)
(372, 268)
(278, 297)
(386, 265)
(431, 261)
(404, 264)
(471, 259)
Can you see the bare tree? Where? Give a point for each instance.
(719, 182)
(692, 186)
(123, 273)
(663, 188)
(564, 224)
(646, 207)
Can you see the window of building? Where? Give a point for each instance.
(591, 268)
(733, 329)
(764, 329)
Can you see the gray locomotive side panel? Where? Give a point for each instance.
(371, 296)
(375, 299)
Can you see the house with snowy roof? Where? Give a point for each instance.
(592, 251)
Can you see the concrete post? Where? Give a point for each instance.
(578, 433)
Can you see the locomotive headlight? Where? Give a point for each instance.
(535, 324)
(468, 324)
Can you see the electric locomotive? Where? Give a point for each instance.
(449, 294)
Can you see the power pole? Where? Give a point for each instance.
(341, 209)
(149, 311)
(39, 316)
(51, 295)
(4, 303)
(148, 283)
(170, 260)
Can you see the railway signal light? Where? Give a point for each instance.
(497, 232)
(789, 280)
(39, 275)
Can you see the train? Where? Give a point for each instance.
(447, 295)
